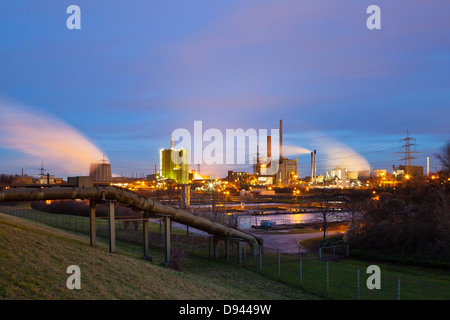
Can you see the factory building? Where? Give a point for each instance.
(343, 178)
(415, 171)
(282, 173)
(237, 176)
(287, 171)
(174, 164)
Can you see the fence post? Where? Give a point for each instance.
(245, 255)
(145, 237)
(149, 236)
(301, 271)
(357, 285)
(239, 251)
(320, 253)
(167, 233)
(278, 261)
(260, 258)
(92, 206)
(112, 227)
(327, 280)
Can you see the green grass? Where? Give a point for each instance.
(416, 282)
(34, 258)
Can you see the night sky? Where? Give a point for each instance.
(138, 70)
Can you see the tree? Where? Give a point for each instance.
(327, 213)
(354, 201)
(444, 157)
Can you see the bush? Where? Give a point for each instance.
(177, 258)
(335, 240)
(409, 221)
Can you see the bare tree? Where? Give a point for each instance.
(355, 201)
(444, 157)
(327, 212)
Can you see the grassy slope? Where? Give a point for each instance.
(34, 258)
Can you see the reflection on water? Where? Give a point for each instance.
(295, 218)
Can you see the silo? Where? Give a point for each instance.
(100, 171)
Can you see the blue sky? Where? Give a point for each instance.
(138, 70)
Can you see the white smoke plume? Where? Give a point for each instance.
(45, 138)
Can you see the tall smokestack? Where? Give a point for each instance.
(281, 141)
(312, 167)
(172, 142)
(315, 167)
(269, 151)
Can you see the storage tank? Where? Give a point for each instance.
(100, 171)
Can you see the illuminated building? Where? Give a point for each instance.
(415, 171)
(287, 171)
(174, 164)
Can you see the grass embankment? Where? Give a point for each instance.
(34, 258)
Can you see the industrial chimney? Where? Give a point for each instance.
(315, 167)
(269, 151)
(172, 143)
(312, 167)
(281, 141)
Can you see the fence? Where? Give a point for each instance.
(317, 272)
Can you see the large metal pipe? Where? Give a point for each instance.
(129, 199)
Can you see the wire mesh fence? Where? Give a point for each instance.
(327, 272)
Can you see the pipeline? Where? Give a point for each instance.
(129, 199)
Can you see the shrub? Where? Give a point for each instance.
(177, 258)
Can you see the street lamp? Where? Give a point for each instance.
(226, 199)
(296, 193)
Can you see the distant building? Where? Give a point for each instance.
(237, 176)
(48, 179)
(415, 171)
(287, 171)
(377, 173)
(22, 180)
(257, 191)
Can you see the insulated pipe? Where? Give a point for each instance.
(129, 199)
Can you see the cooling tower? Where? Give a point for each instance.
(100, 172)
